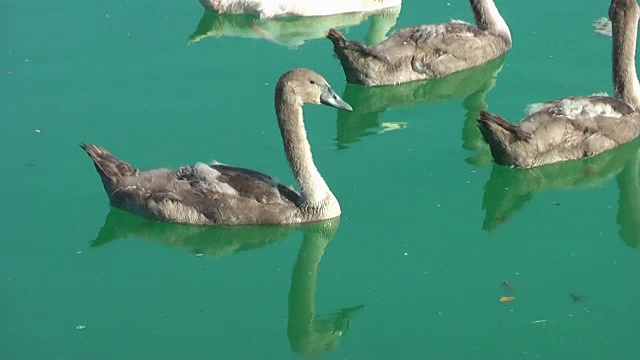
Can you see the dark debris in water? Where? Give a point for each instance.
(575, 297)
(506, 286)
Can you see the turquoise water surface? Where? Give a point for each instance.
(430, 226)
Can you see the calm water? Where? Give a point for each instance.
(430, 229)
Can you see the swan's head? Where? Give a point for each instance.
(622, 11)
(304, 86)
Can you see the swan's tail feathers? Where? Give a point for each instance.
(110, 168)
(495, 127)
(337, 38)
(340, 43)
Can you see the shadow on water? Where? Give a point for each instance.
(308, 334)
(370, 102)
(508, 190)
(292, 31)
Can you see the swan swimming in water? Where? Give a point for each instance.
(426, 51)
(576, 127)
(219, 194)
(277, 8)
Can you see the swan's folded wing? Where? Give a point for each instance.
(216, 193)
(575, 107)
(619, 130)
(439, 34)
(407, 41)
(440, 49)
(256, 185)
(580, 121)
(593, 124)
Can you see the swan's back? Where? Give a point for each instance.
(583, 106)
(214, 194)
(455, 40)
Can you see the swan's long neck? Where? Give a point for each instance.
(313, 188)
(488, 18)
(625, 78)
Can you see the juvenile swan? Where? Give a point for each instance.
(425, 51)
(218, 194)
(576, 127)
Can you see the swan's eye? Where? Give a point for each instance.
(312, 82)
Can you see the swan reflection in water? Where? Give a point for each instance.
(369, 103)
(292, 31)
(201, 240)
(308, 333)
(508, 190)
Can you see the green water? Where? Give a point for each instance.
(430, 227)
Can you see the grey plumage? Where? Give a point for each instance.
(576, 127)
(425, 51)
(218, 194)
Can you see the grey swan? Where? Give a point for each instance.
(576, 127)
(219, 194)
(426, 51)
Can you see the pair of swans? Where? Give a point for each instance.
(555, 131)
(218, 194)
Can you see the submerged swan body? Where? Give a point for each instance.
(276, 8)
(426, 51)
(576, 127)
(218, 194)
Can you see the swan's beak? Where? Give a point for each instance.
(328, 97)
